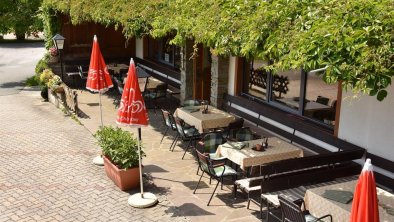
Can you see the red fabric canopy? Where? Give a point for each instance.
(99, 79)
(132, 110)
(365, 200)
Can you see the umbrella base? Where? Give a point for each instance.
(98, 160)
(137, 201)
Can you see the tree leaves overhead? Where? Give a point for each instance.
(353, 38)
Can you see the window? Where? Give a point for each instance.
(320, 99)
(294, 91)
(162, 51)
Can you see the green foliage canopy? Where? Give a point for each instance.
(353, 38)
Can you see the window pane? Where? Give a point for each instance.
(321, 99)
(286, 88)
(256, 79)
(167, 51)
(161, 51)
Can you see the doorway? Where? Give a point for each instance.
(202, 74)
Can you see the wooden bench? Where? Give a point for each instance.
(287, 175)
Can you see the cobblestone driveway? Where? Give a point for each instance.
(46, 172)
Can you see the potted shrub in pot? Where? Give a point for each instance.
(120, 154)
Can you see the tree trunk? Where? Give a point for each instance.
(20, 36)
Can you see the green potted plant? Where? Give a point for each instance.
(120, 154)
(55, 84)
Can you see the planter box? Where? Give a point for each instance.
(55, 98)
(124, 179)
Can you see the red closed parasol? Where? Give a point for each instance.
(99, 79)
(365, 200)
(132, 112)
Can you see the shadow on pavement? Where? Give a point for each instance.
(187, 209)
(12, 84)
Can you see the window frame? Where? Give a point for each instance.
(155, 51)
(271, 102)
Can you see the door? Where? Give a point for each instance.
(202, 74)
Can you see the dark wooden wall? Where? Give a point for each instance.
(79, 39)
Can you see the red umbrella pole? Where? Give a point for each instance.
(101, 111)
(139, 161)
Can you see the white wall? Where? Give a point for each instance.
(231, 75)
(366, 122)
(139, 48)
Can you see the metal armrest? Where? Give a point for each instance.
(328, 215)
(220, 159)
(218, 162)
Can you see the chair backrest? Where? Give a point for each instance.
(211, 141)
(244, 134)
(80, 72)
(168, 118)
(119, 85)
(233, 126)
(205, 163)
(179, 126)
(161, 90)
(191, 102)
(291, 212)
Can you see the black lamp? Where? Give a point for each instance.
(58, 41)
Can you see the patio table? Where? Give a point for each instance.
(117, 67)
(193, 116)
(247, 157)
(319, 205)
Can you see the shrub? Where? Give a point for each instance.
(33, 81)
(54, 82)
(46, 75)
(41, 65)
(119, 146)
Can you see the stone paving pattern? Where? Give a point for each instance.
(46, 172)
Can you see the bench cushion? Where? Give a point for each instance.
(245, 184)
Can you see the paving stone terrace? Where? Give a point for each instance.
(46, 172)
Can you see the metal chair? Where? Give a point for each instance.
(119, 85)
(229, 131)
(216, 169)
(244, 134)
(153, 95)
(81, 73)
(169, 122)
(186, 134)
(291, 212)
(209, 143)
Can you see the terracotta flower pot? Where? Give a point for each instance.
(124, 179)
